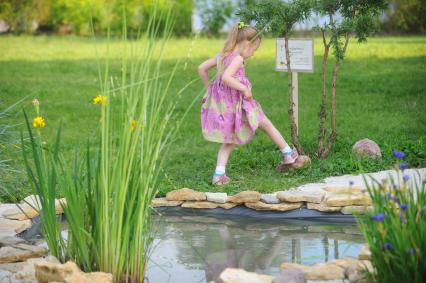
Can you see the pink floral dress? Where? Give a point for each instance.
(226, 117)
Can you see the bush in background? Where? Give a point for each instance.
(406, 16)
(75, 16)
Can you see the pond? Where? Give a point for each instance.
(198, 248)
(190, 247)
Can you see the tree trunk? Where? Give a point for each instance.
(293, 126)
(323, 110)
(333, 134)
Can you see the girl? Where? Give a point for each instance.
(229, 114)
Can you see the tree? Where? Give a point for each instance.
(406, 16)
(358, 19)
(214, 14)
(279, 18)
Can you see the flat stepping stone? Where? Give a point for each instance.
(274, 207)
(20, 252)
(244, 197)
(185, 194)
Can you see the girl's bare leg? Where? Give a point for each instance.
(272, 132)
(224, 153)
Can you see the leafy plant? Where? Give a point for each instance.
(396, 227)
(108, 192)
(358, 17)
(214, 14)
(279, 18)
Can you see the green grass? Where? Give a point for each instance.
(381, 95)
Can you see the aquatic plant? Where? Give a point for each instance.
(109, 187)
(395, 229)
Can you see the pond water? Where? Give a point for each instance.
(198, 248)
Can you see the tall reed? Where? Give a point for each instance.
(108, 192)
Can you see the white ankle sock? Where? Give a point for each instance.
(220, 170)
(286, 150)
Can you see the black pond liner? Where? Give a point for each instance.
(240, 211)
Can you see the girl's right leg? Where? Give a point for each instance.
(289, 155)
(219, 177)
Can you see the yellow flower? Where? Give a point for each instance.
(38, 122)
(100, 99)
(134, 124)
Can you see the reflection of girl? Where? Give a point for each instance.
(232, 257)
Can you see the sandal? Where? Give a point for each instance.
(220, 180)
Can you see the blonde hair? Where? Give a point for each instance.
(239, 34)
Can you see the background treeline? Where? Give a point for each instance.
(74, 16)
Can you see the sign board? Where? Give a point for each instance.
(301, 55)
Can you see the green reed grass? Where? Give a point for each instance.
(109, 188)
(395, 229)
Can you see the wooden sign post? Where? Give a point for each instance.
(301, 60)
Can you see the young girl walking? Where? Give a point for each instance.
(229, 114)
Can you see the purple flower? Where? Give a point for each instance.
(404, 206)
(406, 178)
(395, 187)
(398, 154)
(378, 217)
(403, 166)
(388, 246)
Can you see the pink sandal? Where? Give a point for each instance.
(220, 180)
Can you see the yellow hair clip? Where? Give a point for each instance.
(241, 25)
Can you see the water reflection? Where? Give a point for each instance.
(199, 248)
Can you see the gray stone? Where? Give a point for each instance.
(217, 197)
(291, 275)
(269, 198)
(367, 148)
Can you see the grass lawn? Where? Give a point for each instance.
(381, 95)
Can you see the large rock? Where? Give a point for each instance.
(185, 194)
(217, 197)
(336, 199)
(29, 208)
(308, 194)
(301, 162)
(20, 252)
(14, 226)
(322, 207)
(244, 197)
(355, 209)
(283, 206)
(68, 273)
(159, 202)
(319, 271)
(270, 198)
(291, 275)
(25, 270)
(199, 204)
(234, 275)
(367, 148)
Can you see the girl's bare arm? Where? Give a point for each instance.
(204, 68)
(228, 75)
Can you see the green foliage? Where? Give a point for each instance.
(18, 14)
(276, 16)
(79, 14)
(359, 17)
(214, 14)
(396, 229)
(406, 16)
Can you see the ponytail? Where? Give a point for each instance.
(237, 34)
